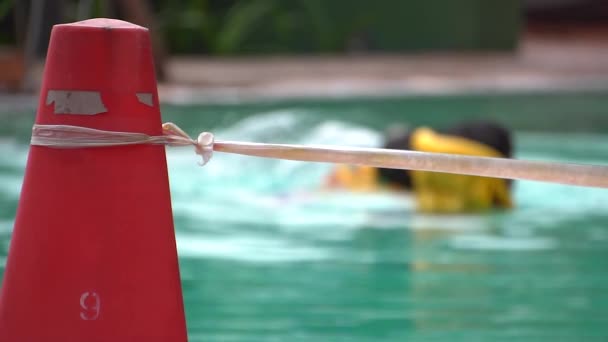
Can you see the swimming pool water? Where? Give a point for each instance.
(265, 255)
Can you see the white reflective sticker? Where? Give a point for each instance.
(145, 98)
(76, 102)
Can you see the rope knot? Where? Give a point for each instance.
(203, 146)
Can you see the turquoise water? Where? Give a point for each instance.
(266, 255)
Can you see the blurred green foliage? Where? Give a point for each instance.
(313, 26)
(230, 27)
(5, 8)
(247, 26)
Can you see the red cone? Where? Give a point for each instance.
(93, 256)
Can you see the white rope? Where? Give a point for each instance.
(62, 136)
(66, 136)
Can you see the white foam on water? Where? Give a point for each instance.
(16, 151)
(10, 184)
(6, 227)
(486, 242)
(543, 205)
(343, 211)
(256, 249)
(453, 222)
(340, 133)
(277, 124)
(281, 194)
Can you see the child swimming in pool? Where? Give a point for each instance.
(439, 192)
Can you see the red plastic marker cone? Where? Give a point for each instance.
(93, 256)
